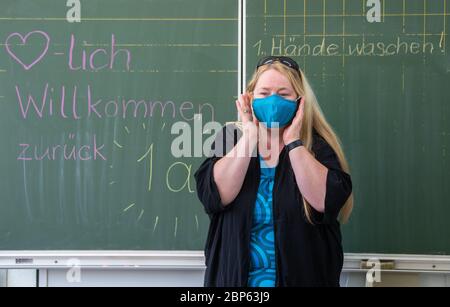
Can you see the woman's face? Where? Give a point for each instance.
(273, 82)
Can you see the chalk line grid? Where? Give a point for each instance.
(267, 16)
(424, 34)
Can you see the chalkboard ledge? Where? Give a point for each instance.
(102, 259)
(397, 263)
(194, 260)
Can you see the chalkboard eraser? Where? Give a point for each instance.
(377, 264)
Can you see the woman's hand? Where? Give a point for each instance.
(292, 132)
(230, 171)
(249, 121)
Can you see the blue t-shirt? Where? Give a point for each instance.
(262, 244)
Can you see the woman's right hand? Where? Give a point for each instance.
(230, 171)
(249, 121)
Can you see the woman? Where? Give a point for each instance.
(274, 214)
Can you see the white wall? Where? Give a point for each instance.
(18, 278)
(126, 278)
(3, 278)
(357, 279)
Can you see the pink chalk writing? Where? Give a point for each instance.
(24, 39)
(94, 60)
(90, 60)
(67, 103)
(66, 152)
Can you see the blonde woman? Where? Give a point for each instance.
(276, 195)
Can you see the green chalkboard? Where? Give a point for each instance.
(86, 111)
(138, 66)
(384, 86)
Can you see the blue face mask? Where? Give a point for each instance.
(274, 111)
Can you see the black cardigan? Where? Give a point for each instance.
(306, 254)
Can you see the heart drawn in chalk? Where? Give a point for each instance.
(23, 40)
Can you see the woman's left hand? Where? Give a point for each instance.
(292, 132)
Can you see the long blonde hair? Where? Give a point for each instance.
(313, 118)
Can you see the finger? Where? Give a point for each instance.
(299, 115)
(302, 107)
(245, 107)
(248, 100)
(239, 109)
(243, 101)
(243, 115)
(238, 105)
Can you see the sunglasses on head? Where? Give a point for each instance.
(282, 59)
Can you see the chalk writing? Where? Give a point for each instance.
(86, 152)
(68, 104)
(23, 40)
(364, 47)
